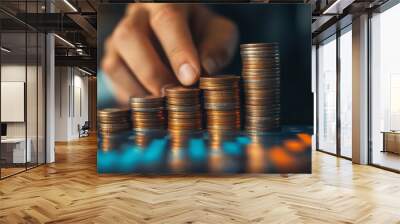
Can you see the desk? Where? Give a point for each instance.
(391, 141)
(16, 148)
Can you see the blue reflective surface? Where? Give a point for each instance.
(160, 152)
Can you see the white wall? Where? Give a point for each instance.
(61, 103)
(71, 102)
(81, 101)
(50, 95)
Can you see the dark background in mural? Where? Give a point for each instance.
(287, 24)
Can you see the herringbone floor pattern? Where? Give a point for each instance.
(70, 191)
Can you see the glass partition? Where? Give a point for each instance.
(14, 145)
(327, 96)
(385, 89)
(22, 76)
(346, 93)
(32, 96)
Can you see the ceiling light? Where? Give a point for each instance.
(338, 6)
(64, 40)
(70, 5)
(333, 6)
(84, 71)
(5, 50)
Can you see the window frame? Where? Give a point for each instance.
(334, 37)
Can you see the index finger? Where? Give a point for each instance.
(170, 24)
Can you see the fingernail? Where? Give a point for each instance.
(210, 65)
(187, 75)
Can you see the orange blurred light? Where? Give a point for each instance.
(255, 158)
(306, 138)
(294, 145)
(280, 157)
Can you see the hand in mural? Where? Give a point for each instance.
(159, 45)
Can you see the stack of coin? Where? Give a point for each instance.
(221, 102)
(112, 121)
(147, 113)
(112, 141)
(216, 140)
(142, 139)
(178, 141)
(261, 81)
(184, 110)
(181, 140)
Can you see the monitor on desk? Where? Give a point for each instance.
(3, 130)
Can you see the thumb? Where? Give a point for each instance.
(218, 45)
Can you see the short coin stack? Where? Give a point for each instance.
(261, 81)
(184, 110)
(147, 113)
(221, 102)
(112, 121)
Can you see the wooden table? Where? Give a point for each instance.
(391, 141)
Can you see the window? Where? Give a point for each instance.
(334, 106)
(346, 92)
(327, 96)
(385, 89)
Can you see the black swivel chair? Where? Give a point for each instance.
(84, 130)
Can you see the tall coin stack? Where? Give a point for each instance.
(261, 81)
(221, 102)
(147, 113)
(184, 110)
(113, 120)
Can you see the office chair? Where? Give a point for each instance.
(84, 130)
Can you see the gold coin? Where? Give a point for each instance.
(181, 91)
(146, 99)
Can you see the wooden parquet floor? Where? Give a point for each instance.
(70, 191)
